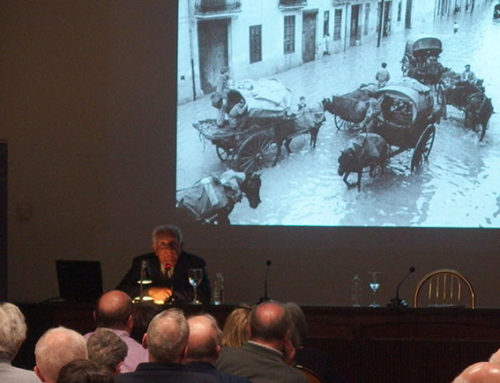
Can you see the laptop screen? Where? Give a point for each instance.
(79, 281)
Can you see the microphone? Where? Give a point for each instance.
(144, 266)
(171, 299)
(168, 266)
(265, 297)
(398, 302)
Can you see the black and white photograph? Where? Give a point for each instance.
(338, 113)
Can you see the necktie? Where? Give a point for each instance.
(168, 270)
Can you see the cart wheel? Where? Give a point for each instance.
(423, 147)
(256, 152)
(223, 153)
(342, 124)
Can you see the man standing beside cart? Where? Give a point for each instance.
(219, 99)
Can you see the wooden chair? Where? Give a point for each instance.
(311, 376)
(444, 288)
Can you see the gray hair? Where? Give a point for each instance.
(106, 348)
(12, 329)
(205, 346)
(167, 335)
(57, 347)
(167, 229)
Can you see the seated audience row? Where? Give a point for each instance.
(269, 335)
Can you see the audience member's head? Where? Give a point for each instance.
(84, 371)
(167, 337)
(269, 322)
(107, 349)
(481, 372)
(114, 310)
(495, 357)
(236, 330)
(204, 339)
(298, 333)
(12, 330)
(57, 347)
(143, 313)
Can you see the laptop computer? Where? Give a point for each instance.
(79, 281)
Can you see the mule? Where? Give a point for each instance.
(478, 111)
(472, 100)
(211, 199)
(349, 109)
(308, 120)
(365, 150)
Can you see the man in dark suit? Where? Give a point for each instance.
(167, 267)
(166, 341)
(266, 356)
(204, 348)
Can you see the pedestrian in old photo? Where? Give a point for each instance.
(468, 75)
(455, 27)
(326, 44)
(383, 76)
(221, 91)
(302, 103)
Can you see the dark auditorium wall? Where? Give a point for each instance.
(87, 109)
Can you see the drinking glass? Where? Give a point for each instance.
(195, 276)
(374, 286)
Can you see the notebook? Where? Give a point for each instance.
(79, 281)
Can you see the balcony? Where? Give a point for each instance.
(207, 8)
(292, 4)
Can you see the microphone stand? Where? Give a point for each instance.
(141, 281)
(265, 298)
(398, 302)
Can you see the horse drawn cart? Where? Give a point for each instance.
(254, 141)
(407, 122)
(471, 100)
(404, 121)
(420, 60)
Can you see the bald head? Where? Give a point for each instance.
(495, 357)
(204, 339)
(481, 372)
(269, 321)
(114, 310)
(57, 347)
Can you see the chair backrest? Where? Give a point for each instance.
(311, 376)
(444, 288)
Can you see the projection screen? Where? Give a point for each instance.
(283, 136)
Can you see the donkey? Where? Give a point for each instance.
(365, 150)
(211, 199)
